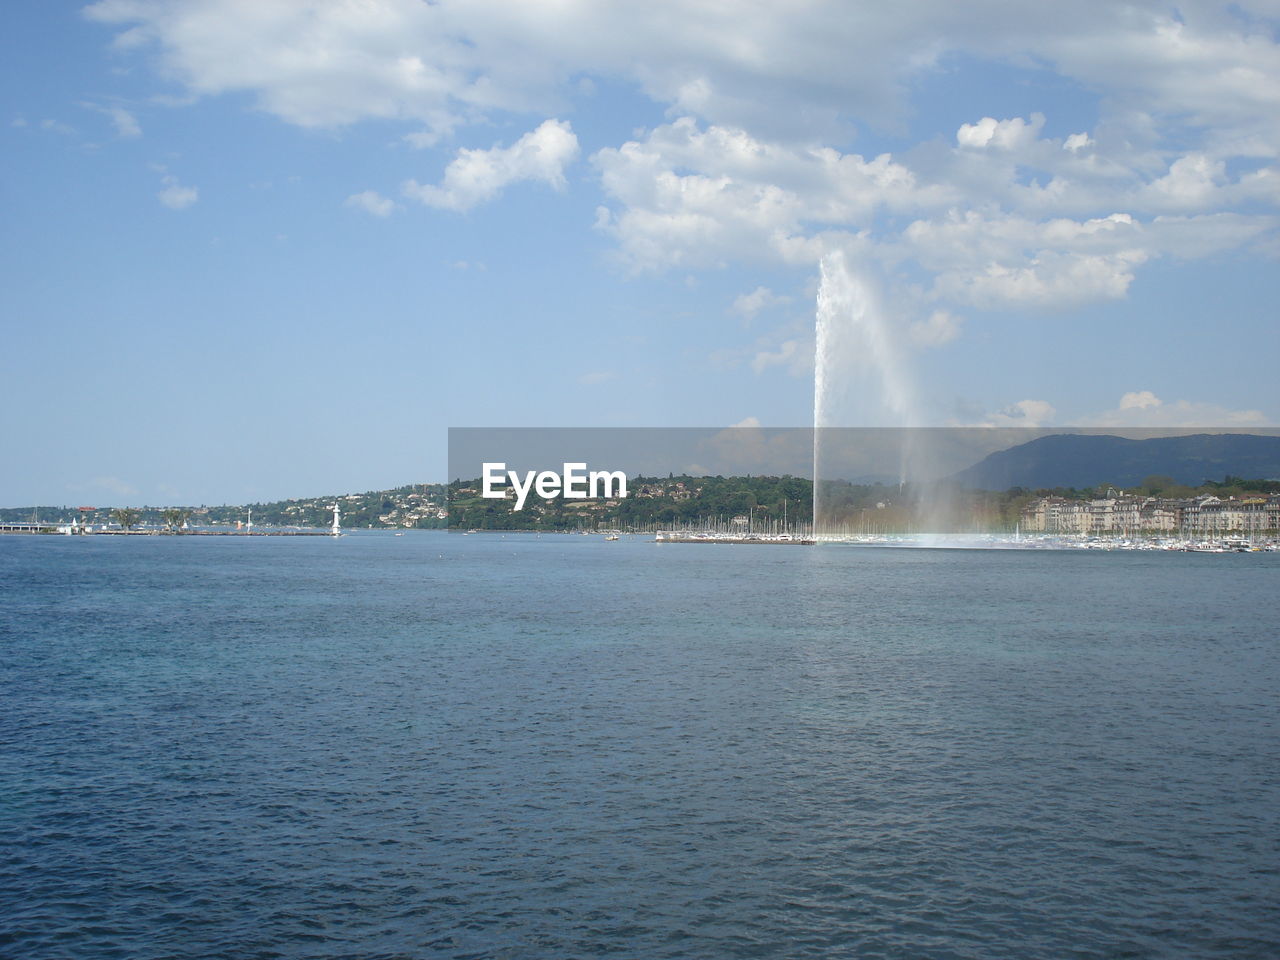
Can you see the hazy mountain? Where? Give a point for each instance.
(1078, 460)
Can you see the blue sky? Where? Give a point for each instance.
(264, 250)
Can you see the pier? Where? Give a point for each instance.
(683, 536)
(28, 527)
(60, 529)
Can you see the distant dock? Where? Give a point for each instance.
(60, 529)
(681, 536)
(28, 527)
(213, 533)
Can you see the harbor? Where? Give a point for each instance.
(179, 528)
(711, 536)
(1036, 541)
(49, 529)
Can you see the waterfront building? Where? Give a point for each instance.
(1205, 515)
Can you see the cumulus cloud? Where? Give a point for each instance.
(57, 126)
(125, 123)
(1139, 400)
(1204, 79)
(476, 176)
(1137, 408)
(1024, 413)
(998, 212)
(789, 347)
(1077, 142)
(371, 202)
(330, 62)
(1142, 408)
(688, 196)
(785, 354)
(1000, 134)
(175, 196)
(940, 328)
(747, 305)
(316, 64)
(1191, 183)
(1049, 280)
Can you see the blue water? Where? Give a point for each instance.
(445, 746)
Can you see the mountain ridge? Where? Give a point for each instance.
(1090, 460)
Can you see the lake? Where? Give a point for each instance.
(437, 745)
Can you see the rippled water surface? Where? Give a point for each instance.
(437, 745)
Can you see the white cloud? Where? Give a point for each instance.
(1137, 408)
(315, 64)
(747, 423)
(774, 68)
(785, 354)
(695, 197)
(126, 123)
(1206, 234)
(476, 176)
(1142, 408)
(1077, 142)
(1050, 280)
(596, 377)
(1192, 183)
(941, 328)
(687, 197)
(1139, 400)
(1000, 134)
(175, 196)
(997, 214)
(747, 305)
(57, 126)
(1014, 261)
(1024, 413)
(790, 346)
(371, 202)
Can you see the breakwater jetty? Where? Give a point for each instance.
(684, 536)
(57, 529)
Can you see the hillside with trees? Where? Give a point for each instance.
(653, 503)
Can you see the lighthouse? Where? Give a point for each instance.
(336, 529)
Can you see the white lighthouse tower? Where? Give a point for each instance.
(336, 529)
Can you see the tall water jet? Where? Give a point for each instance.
(861, 379)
